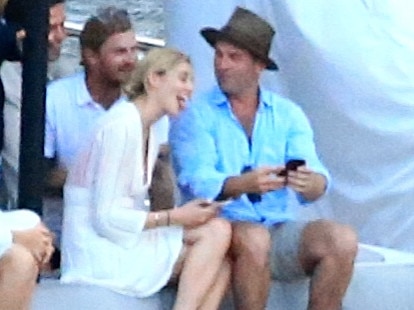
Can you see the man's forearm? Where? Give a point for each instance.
(317, 188)
(232, 188)
(55, 176)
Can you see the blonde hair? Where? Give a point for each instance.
(159, 61)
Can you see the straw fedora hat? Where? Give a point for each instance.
(245, 30)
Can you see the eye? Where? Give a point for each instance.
(183, 76)
(235, 56)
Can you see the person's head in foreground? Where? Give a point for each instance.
(16, 12)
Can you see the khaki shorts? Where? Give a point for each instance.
(284, 255)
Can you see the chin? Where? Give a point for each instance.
(225, 87)
(53, 54)
(174, 113)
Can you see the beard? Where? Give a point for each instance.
(53, 52)
(228, 86)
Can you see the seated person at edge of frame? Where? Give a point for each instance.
(110, 237)
(25, 248)
(234, 143)
(11, 40)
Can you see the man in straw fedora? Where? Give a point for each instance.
(233, 143)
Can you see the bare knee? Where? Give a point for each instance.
(325, 238)
(252, 243)
(18, 273)
(346, 241)
(218, 230)
(19, 263)
(342, 241)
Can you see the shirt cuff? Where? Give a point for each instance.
(6, 240)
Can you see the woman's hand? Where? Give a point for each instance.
(195, 213)
(37, 240)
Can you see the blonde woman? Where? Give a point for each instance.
(110, 237)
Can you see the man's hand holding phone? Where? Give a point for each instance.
(254, 181)
(298, 176)
(292, 165)
(262, 179)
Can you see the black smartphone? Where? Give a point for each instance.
(292, 165)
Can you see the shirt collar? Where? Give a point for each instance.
(219, 98)
(83, 95)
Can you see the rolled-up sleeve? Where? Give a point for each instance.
(5, 237)
(301, 145)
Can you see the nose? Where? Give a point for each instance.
(222, 62)
(57, 34)
(189, 87)
(61, 33)
(131, 57)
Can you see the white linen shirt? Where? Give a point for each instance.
(103, 238)
(71, 114)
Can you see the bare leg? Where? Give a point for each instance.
(327, 253)
(18, 273)
(207, 246)
(251, 270)
(219, 288)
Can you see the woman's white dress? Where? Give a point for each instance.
(103, 241)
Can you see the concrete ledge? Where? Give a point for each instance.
(383, 280)
(52, 295)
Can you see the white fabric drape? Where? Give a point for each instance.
(350, 65)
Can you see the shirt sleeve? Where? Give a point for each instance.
(5, 236)
(301, 145)
(195, 155)
(50, 123)
(116, 167)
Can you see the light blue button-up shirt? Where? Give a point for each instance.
(209, 145)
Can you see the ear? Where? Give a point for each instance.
(90, 57)
(260, 66)
(154, 79)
